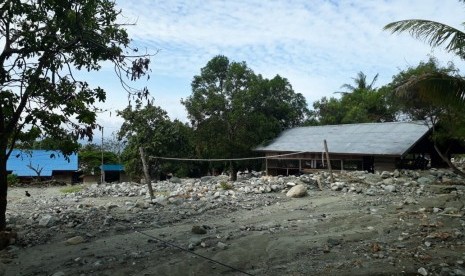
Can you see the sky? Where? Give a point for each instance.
(317, 45)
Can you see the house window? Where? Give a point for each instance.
(336, 164)
(353, 165)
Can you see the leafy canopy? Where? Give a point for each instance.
(44, 43)
(233, 110)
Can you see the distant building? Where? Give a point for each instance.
(369, 146)
(43, 164)
(114, 173)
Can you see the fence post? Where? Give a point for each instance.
(146, 172)
(329, 162)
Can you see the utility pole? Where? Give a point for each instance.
(102, 172)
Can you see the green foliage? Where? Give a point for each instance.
(234, 110)
(226, 186)
(151, 128)
(12, 179)
(361, 104)
(415, 101)
(72, 189)
(90, 158)
(44, 45)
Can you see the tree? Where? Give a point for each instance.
(439, 90)
(114, 145)
(44, 44)
(436, 34)
(444, 117)
(361, 104)
(150, 127)
(90, 158)
(360, 83)
(235, 110)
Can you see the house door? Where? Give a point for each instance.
(369, 163)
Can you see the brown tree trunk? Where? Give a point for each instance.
(3, 190)
(451, 165)
(233, 170)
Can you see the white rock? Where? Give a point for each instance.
(422, 271)
(75, 240)
(390, 188)
(290, 184)
(297, 191)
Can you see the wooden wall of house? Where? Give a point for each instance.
(384, 163)
(307, 162)
(65, 177)
(91, 179)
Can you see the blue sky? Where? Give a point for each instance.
(317, 45)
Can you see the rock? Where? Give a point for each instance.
(422, 271)
(59, 273)
(290, 184)
(338, 186)
(75, 240)
(425, 180)
(221, 245)
(175, 179)
(163, 200)
(196, 229)
(206, 178)
(7, 238)
(385, 174)
(297, 191)
(390, 188)
(47, 220)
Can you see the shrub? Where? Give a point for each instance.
(12, 179)
(226, 186)
(72, 189)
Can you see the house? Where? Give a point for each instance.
(43, 164)
(114, 173)
(111, 172)
(368, 146)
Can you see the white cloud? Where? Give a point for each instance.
(317, 45)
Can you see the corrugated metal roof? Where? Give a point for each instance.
(394, 138)
(112, 167)
(20, 162)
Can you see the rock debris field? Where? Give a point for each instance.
(389, 223)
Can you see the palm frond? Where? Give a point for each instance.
(437, 88)
(373, 81)
(434, 33)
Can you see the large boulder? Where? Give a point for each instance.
(297, 191)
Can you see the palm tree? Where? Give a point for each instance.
(360, 84)
(439, 89)
(438, 86)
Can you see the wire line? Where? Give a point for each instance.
(190, 252)
(225, 159)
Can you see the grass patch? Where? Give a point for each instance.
(226, 186)
(72, 189)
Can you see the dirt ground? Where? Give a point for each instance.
(324, 233)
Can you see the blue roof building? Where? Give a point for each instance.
(112, 167)
(26, 163)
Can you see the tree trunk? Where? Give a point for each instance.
(233, 170)
(146, 172)
(451, 165)
(3, 190)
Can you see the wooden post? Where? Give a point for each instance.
(146, 172)
(329, 162)
(266, 166)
